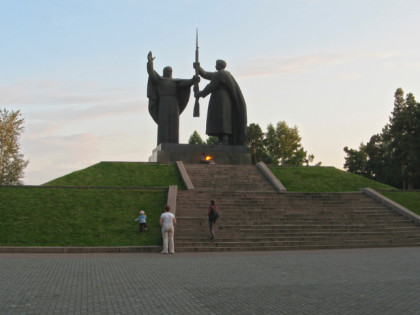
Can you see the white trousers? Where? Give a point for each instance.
(168, 238)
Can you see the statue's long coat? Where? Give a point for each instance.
(167, 100)
(227, 108)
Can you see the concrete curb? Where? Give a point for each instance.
(185, 178)
(270, 177)
(393, 205)
(64, 250)
(171, 201)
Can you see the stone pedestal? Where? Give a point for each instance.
(194, 153)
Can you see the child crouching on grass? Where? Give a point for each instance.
(142, 220)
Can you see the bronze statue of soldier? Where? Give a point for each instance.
(226, 114)
(168, 98)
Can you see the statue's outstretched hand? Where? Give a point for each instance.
(150, 57)
(196, 65)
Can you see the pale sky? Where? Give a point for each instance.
(77, 71)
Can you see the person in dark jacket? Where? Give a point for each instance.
(212, 213)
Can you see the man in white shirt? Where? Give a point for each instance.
(167, 221)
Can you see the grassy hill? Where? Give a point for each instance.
(330, 179)
(410, 200)
(322, 179)
(113, 174)
(97, 206)
(45, 216)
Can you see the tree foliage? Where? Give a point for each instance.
(283, 144)
(195, 138)
(279, 145)
(12, 163)
(392, 156)
(212, 140)
(256, 144)
(357, 163)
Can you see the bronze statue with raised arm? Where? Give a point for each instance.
(226, 114)
(168, 98)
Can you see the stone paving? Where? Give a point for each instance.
(354, 281)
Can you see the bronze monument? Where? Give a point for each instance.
(226, 114)
(168, 98)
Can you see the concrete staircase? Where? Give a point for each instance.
(254, 217)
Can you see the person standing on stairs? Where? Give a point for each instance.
(213, 215)
(167, 221)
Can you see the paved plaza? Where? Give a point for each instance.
(358, 281)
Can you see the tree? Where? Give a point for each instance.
(12, 163)
(195, 138)
(283, 144)
(256, 144)
(404, 138)
(212, 140)
(415, 153)
(310, 158)
(280, 145)
(413, 141)
(399, 130)
(393, 156)
(356, 160)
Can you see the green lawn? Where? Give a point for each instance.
(410, 200)
(122, 174)
(100, 204)
(41, 216)
(330, 179)
(85, 214)
(322, 179)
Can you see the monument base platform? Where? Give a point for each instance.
(195, 153)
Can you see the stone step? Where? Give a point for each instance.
(227, 177)
(279, 213)
(220, 247)
(255, 217)
(289, 248)
(304, 228)
(274, 207)
(275, 199)
(284, 215)
(227, 224)
(294, 195)
(309, 236)
(275, 204)
(287, 242)
(289, 197)
(292, 229)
